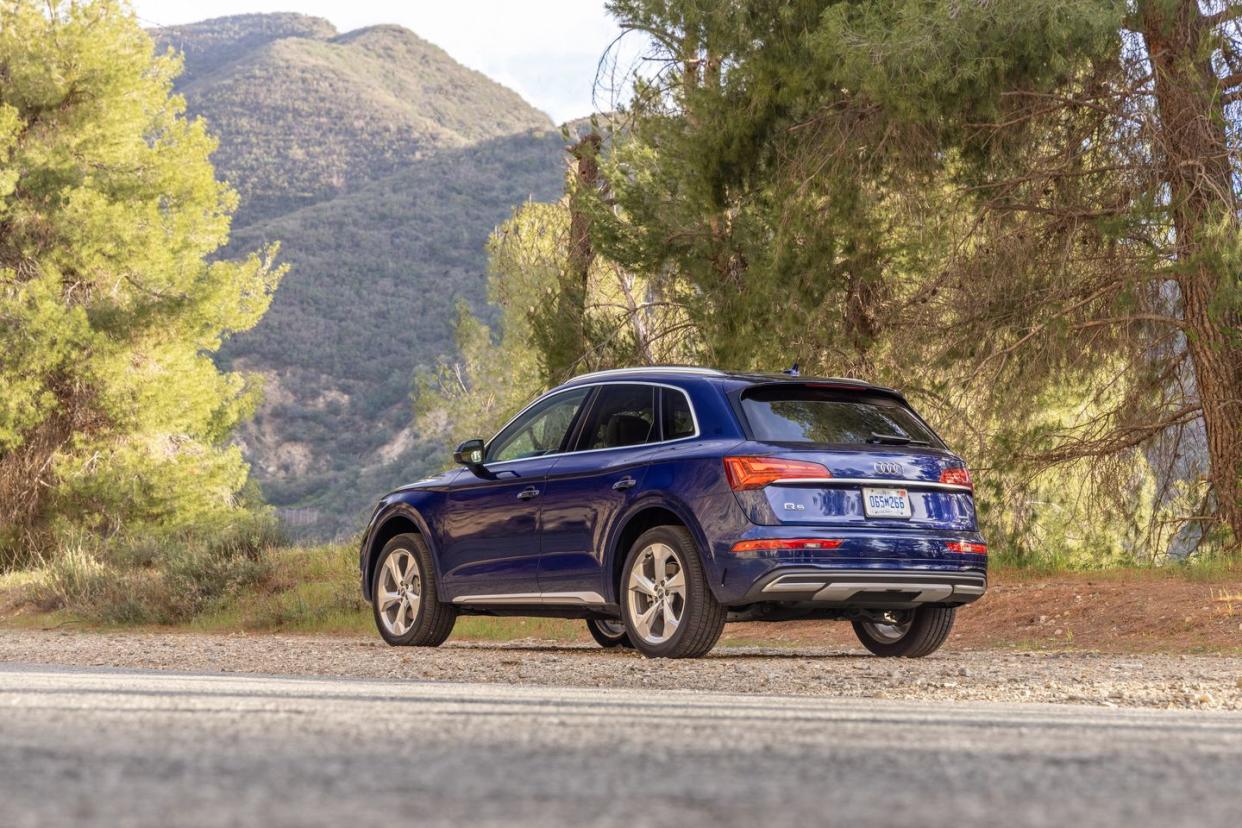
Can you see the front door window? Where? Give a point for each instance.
(538, 431)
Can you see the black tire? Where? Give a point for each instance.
(433, 620)
(702, 617)
(606, 637)
(928, 628)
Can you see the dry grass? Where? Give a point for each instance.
(148, 582)
(315, 589)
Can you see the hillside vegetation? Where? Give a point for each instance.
(303, 113)
(381, 166)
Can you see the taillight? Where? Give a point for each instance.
(769, 544)
(967, 547)
(756, 472)
(957, 477)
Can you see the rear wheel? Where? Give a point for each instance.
(609, 633)
(906, 633)
(668, 608)
(408, 612)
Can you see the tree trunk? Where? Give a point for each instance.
(570, 340)
(585, 180)
(1198, 172)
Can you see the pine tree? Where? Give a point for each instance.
(1097, 146)
(113, 417)
(1026, 213)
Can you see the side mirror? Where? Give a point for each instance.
(470, 453)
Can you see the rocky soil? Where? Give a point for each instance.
(1073, 677)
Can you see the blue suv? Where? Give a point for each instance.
(659, 503)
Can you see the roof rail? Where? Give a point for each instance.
(651, 369)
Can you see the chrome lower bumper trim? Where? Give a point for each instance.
(925, 593)
(841, 587)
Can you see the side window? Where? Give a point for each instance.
(623, 415)
(539, 430)
(675, 411)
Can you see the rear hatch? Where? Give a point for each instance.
(823, 455)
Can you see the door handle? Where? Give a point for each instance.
(624, 483)
(528, 493)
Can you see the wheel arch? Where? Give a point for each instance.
(643, 515)
(400, 519)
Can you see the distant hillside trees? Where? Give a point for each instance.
(113, 418)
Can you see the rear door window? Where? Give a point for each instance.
(817, 416)
(622, 415)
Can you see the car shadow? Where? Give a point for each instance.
(747, 653)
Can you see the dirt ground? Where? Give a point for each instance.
(1202, 682)
(1120, 612)
(1125, 611)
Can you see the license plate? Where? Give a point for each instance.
(886, 503)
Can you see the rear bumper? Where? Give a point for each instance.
(895, 561)
(888, 588)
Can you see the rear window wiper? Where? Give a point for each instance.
(895, 440)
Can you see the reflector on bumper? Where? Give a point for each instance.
(770, 544)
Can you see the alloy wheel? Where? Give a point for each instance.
(613, 628)
(889, 627)
(399, 592)
(656, 592)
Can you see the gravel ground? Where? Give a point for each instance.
(1159, 681)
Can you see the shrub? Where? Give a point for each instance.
(154, 580)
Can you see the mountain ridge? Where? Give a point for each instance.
(381, 165)
(303, 112)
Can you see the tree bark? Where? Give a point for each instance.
(585, 179)
(1199, 175)
(571, 335)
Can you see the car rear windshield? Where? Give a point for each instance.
(806, 414)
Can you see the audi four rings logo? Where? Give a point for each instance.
(887, 468)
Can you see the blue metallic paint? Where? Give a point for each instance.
(486, 541)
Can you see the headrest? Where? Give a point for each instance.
(627, 430)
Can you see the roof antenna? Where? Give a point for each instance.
(792, 370)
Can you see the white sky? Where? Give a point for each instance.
(546, 50)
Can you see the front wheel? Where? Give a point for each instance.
(608, 633)
(906, 633)
(668, 607)
(407, 610)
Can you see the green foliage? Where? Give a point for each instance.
(304, 589)
(114, 418)
(623, 320)
(948, 63)
(782, 254)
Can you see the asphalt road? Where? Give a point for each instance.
(110, 747)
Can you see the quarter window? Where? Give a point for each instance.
(675, 411)
(539, 430)
(623, 415)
